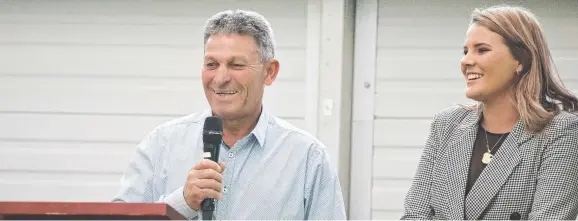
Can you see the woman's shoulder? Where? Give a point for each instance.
(455, 113)
(563, 122)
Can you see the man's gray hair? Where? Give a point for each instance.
(243, 22)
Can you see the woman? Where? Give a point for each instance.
(514, 155)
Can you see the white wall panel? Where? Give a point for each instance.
(400, 132)
(45, 186)
(198, 9)
(428, 62)
(83, 127)
(387, 161)
(187, 34)
(122, 61)
(62, 156)
(389, 195)
(139, 96)
(417, 99)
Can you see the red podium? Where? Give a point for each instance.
(86, 211)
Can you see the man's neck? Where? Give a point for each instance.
(500, 115)
(236, 129)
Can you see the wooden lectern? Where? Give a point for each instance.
(87, 211)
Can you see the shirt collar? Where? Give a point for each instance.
(260, 130)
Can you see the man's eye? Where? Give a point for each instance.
(211, 65)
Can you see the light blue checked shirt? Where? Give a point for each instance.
(276, 172)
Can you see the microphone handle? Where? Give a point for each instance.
(211, 152)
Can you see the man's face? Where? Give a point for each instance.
(233, 76)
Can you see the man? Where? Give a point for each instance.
(269, 170)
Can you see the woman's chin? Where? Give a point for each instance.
(474, 94)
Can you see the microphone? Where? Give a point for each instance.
(212, 138)
(515, 216)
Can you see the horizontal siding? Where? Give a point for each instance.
(79, 157)
(418, 75)
(400, 132)
(126, 96)
(429, 63)
(427, 97)
(188, 33)
(392, 157)
(83, 127)
(403, 37)
(388, 195)
(82, 82)
(385, 214)
(59, 186)
(120, 61)
(417, 10)
(196, 10)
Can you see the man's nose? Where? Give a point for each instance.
(223, 75)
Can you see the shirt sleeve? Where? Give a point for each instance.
(136, 184)
(325, 201)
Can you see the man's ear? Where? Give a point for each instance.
(271, 71)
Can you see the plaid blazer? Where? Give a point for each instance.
(532, 176)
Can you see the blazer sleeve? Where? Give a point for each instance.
(417, 200)
(556, 195)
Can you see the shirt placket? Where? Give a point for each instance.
(228, 157)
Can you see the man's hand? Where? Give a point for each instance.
(204, 181)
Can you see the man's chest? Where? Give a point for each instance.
(256, 184)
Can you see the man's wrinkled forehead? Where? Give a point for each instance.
(228, 47)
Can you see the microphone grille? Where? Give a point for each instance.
(213, 124)
(213, 130)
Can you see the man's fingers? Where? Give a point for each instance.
(209, 184)
(210, 193)
(223, 166)
(206, 174)
(207, 164)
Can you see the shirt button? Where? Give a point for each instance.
(225, 190)
(231, 155)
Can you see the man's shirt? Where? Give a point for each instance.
(276, 172)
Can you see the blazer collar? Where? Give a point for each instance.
(492, 177)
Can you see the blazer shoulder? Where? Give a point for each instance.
(564, 122)
(453, 114)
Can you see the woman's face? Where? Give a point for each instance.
(488, 66)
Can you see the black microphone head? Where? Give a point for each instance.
(213, 130)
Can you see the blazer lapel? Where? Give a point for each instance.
(459, 152)
(496, 173)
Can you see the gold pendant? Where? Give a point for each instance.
(487, 158)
